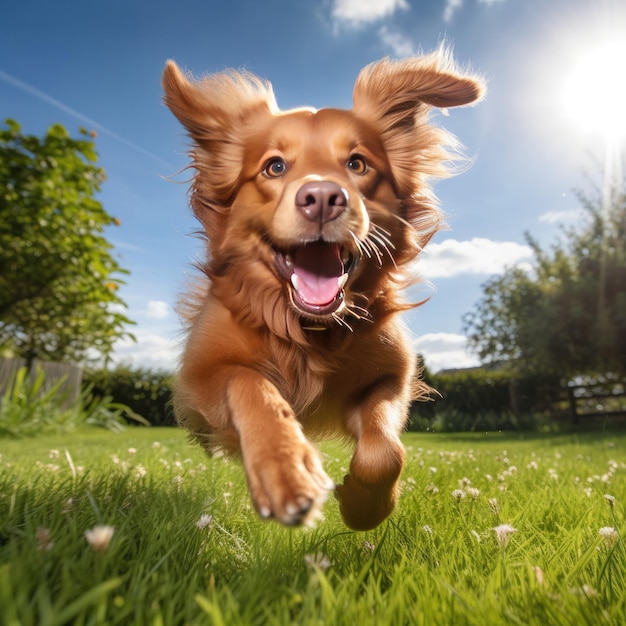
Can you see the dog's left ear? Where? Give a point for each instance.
(395, 97)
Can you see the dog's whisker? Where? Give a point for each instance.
(383, 245)
(373, 248)
(359, 312)
(342, 322)
(360, 245)
(383, 234)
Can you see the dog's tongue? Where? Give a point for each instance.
(317, 272)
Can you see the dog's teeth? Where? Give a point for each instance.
(294, 281)
(343, 280)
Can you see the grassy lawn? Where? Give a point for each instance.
(188, 549)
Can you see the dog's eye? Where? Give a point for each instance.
(357, 164)
(275, 167)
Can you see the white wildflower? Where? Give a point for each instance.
(44, 542)
(502, 533)
(132, 450)
(610, 500)
(589, 591)
(427, 529)
(473, 492)
(609, 534)
(140, 471)
(458, 494)
(99, 537)
(494, 506)
(532, 465)
(317, 561)
(205, 521)
(588, 491)
(53, 454)
(156, 444)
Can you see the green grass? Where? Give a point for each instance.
(437, 561)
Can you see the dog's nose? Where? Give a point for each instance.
(321, 201)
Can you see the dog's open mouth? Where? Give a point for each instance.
(316, 273)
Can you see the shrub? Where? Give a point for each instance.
(479, 399)
(147, 392)
(32, 406)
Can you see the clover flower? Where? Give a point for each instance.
(44, 541)
(205, 521)
(317, 561)
(610, 500)
(503, 531)
(99, 537)
(609, 534)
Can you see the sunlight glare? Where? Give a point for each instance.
(594, 94)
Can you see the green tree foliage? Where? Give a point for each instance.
(58, 279)
(567, 316)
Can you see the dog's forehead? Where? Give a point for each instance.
(331, 127)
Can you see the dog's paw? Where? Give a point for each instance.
(288, 483)
(364, 506)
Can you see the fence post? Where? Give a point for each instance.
(572, 405)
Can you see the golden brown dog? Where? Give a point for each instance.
(311, 220)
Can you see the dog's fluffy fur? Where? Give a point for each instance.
(311, 220)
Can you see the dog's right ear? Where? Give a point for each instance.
(215, 110)
(214, 103)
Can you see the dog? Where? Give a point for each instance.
(312, 221)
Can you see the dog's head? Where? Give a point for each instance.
(310, 216)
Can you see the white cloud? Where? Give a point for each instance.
(399, 44)
(453, 5)
(476, 256)
(157, 310)
(563, 217)
(357, 13)
(152, 350)
(451, 8)
(444, 351)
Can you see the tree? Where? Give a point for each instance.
(567, 316)
(58, 280)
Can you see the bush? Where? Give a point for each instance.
(147, 392)
(479, 399)
(31, 405)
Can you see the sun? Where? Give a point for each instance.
(594, 92)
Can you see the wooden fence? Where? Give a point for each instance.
(71, 375)
(601, 399)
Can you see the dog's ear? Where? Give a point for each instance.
(215, 110)
(396, 96)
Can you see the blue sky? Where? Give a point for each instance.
(98, 65)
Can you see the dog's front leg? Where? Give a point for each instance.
(284, 471)
(370, 490)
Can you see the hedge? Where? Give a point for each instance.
(465, 400)
(480, 399)
(147, 392)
